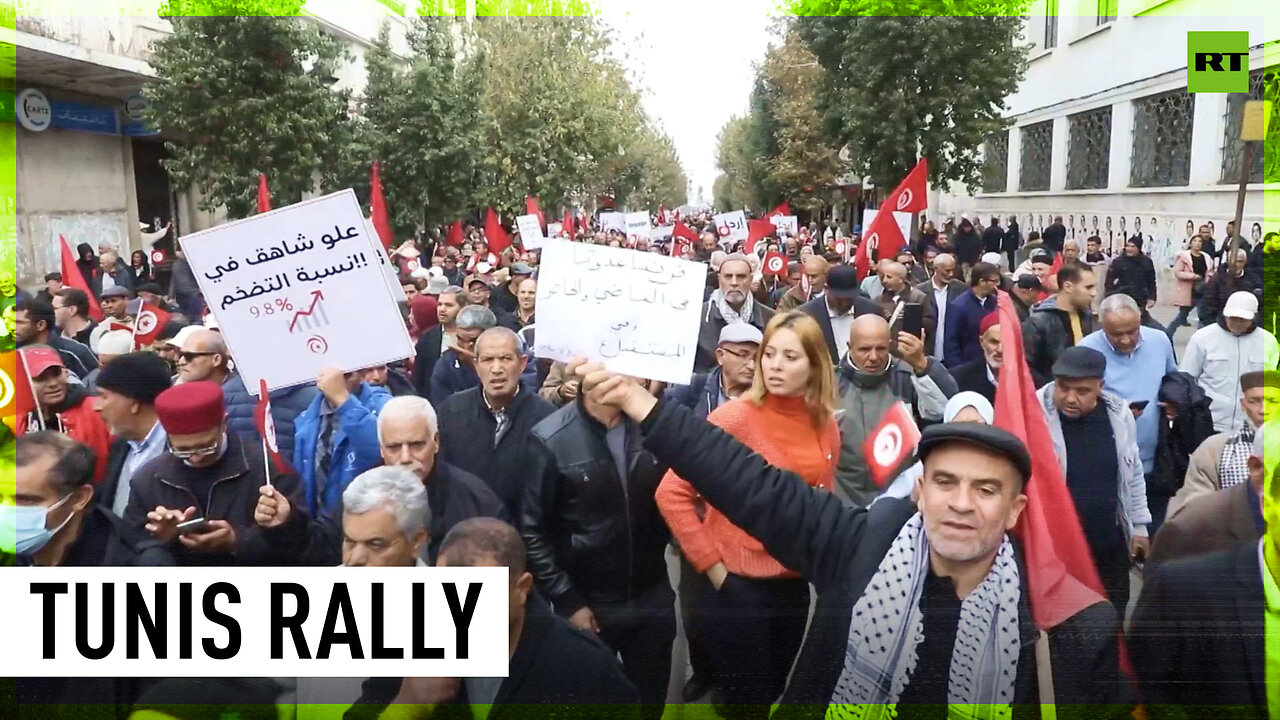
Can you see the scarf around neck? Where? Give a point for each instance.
(887, 627)
(728, 313)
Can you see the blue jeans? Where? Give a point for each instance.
(1184, 312)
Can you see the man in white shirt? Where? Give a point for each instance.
(941, 289)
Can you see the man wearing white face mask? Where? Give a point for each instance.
(49, 516)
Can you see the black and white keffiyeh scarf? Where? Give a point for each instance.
(887, 628)
(1233, 464)
(728, 313)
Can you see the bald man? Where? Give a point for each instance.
(897, 289)
(871, 381)
(204, 356)
(939, 292)
(812, 282)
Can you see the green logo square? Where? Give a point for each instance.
(1218, 62)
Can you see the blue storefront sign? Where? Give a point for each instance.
(85, 118)
(37, 113)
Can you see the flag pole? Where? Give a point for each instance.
(36, 401)
(266, 462)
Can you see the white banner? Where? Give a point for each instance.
(732, 226)
(788, 224)
(299, 289)
(530, 231)
(661, 232)
(613, 221)
(240, 622)
(903, 220)
(636, 311)
(637, 226)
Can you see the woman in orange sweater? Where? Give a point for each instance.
(752, 610)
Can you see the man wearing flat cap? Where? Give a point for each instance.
(1095, 438)
(207, 474)
(127, 390)
(919, 603)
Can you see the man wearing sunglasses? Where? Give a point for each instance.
(204, 356)
(205, 474)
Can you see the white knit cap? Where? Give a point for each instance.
(115, 342)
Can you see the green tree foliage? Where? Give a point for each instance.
(898, 87)
(244, 95)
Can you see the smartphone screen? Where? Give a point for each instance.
(913, 319)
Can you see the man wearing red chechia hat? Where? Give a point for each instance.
(62, 406)
(206, 475)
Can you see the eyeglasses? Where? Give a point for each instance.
(740, 354)
(190, 356)
(184, 454)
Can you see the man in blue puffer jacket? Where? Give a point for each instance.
(286, 405)
(336, 437)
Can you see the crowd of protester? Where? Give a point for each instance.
(746, 512)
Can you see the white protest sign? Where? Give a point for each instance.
(903, 220)
(613, 221)
(732, 226)
(554, 229)
(788, 224)
(637, 226)
(662, 232)
(637, 312)
(299, 289)
(530, 231)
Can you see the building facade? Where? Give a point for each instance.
(87, 169)
(1106, 135)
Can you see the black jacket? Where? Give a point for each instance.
(466, 441)
(1054, 237)
(1178, 438)
(817, 309)
(1220, 287)
(105, 541)
(427, 353)
(1217, 670)
(232, 497)
(993, 239)
(453, 495)
(557, 672)
(838, 547)
(1012, 238)
(591, 537)
(972, 377)
(1132, 276)
(501, 298)
(968, 244)
(1046, 333)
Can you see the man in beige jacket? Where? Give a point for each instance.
(1221, 461)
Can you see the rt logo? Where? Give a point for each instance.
(1217, 62)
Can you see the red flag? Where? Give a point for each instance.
(757, 230)
(531, 208)
(264, 199)
(566, 225)
(147, 325)
(883, 234)
(677, 215)
(774, 264)
(15, 390)
(378, 208)
(910, 195)
(662, 214)
(497, 238)
(454, 238)
(71, 277)
(682, 237)
(1060, 569)
(891, 442)
(781, 211)
(267, 428)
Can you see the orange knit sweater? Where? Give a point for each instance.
(781, 431)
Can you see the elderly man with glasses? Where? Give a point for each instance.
(197, 499)
(204, 356)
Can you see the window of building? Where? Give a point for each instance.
(1050, 24)
(1036, 156)
(1162, 127)
(1263, 85)
(1089, 149)
(1107, 11)
(995, 163)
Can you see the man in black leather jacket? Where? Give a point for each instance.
(596, 539)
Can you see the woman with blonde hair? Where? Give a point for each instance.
(750, 608)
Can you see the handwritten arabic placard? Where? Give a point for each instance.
(788, 224)
(530, 231)
(613, 221)
(732, 226)
(637, 312)
(299, 289)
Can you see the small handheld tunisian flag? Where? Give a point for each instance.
(884, 233)
(1060, 569)
(682, 238)
(891, 442)
(774, 263)
(267, 429)
(148, 324)
(497, 238)
(71, 277)
(264, 198)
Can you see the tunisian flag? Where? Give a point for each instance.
(148, 324)
(454, 238)
(884, 233)
(497, 238)
(757, 230)
(264, 198)
(378, 208)
(782, 210)
(531, 208)
(71, 277)
(267, 429)
(682, 236)
(1060, 569)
